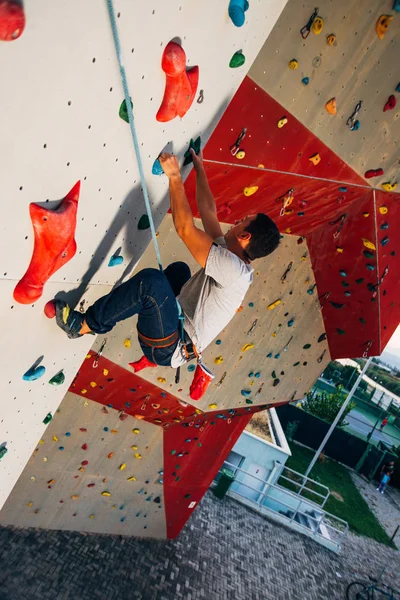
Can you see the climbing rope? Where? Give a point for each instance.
(117, 44)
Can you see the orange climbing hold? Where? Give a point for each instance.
(315, 159)
(54, 245)
(382, 25)
(331, 106)
(181, 85)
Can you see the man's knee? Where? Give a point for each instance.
(151, 275)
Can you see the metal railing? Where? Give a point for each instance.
(321, 496)
(307, 515)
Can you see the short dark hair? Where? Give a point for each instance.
(265, 237)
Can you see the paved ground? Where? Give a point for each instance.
(386, 507)
(225, 552)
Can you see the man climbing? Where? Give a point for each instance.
(209, 299)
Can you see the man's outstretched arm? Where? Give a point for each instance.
(197, 242)
(205, 199)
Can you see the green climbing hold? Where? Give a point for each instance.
(248, 401)
(345, 284)
(144, 222)
(307, 346)
(173, 452)
(340, 331)
(123, 112)
(368, 254)
(196, 145)
(3, 451)
(362, 320)
(237, 60)
(360, 280)
(296, 364)
(273, 375)
(47, 418)
(58, 378)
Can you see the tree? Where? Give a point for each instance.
(326, 406)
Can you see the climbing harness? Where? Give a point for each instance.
(117, 45)
(305, 31)
(352, 120)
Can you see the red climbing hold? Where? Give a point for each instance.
(181, 85)
(84, 447)
(50, 309)
(390, 104)
(201, 380)
(54, 245)
(373, 173)
(143, 363)
(12, 20)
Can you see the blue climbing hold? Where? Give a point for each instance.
(258, 374)
(251, 304)
(277, 355)
(269, 355)
(157, 169)
(398, 85)
(34, 373)
(343, 273)
(115, 260)
(343, 189)
(191, 368)
(396, 7)
(305, 80)
(68, 434)
(290, 322)
(384, 241)
(236, 11)
(251, 374)
(246, 393)
(356, 125)
(61, 448)
(163, 394)
(385, 226)
(218, 342)
(370, 267)
(105, 428)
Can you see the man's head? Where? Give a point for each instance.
(254, 236)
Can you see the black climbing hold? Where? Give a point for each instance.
(296, 364)
(276, 382)
(362, 320)
(345, 284)
(360, 280)
(305, 363)
(322, 337)
(144, 222)
(157, 499)
(307, 346)
(336, 304)
(196, 145)
(371, 287)
(187, 495)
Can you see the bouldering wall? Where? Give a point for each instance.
(64, 122)
(360, 64)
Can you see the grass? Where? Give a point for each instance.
(337, 478)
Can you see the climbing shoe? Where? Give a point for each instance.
(68, 320)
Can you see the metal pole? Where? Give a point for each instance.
(337, 418)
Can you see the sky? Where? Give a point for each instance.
(394, 342)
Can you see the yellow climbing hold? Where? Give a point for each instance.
(240, 154)
(135, 430)
(368, 244)
(134, 447)
(331, 39)
(161, 379)
(365, 214)
(83, 391)
(218, 360)
(127, 343)
(288, 230)
(212, 406)
(33, 478)
(44, 458)
(75, 497)
(137, 455)
(122, 466)
(249, 191)
(86, 403)
(282, 122)
(88, 356)
(247, 347)
(389, 187)
(105, 372)
(55, 438)
(273, 304)
(260, 166)
(198, 411)
(30, 504)
(41, 442)
(383, 210)
(133, 478)
(317, 25)
(293, 64)
(93, 384)
(106, 494)
(315, 159)
(91, 516)
(273, 334)
(81, 469)
(339, 249)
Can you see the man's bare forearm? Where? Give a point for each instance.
(181, 212)
(204, 198)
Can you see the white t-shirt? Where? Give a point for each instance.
(210, 299)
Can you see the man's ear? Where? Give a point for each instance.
(245, 236)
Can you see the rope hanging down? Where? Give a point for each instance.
(117, 44)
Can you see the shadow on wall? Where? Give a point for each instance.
(126, 220)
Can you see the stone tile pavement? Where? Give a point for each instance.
(225, 552)
(386, 507)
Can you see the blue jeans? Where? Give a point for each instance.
(151, 295)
